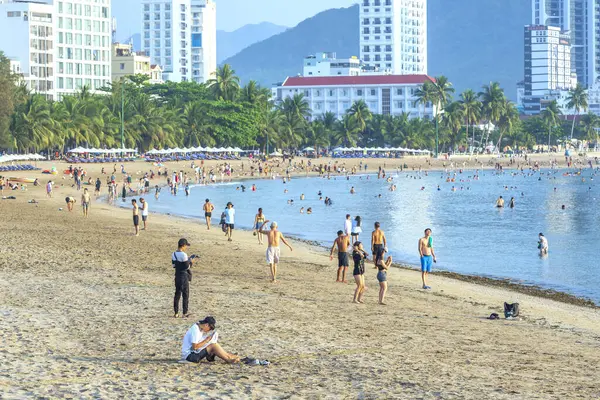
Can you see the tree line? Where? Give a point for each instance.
(224, 113)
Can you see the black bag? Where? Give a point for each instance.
(511, 310)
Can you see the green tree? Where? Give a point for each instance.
(426, 94)
(578, 100)
(361, 114)
(509, 120)
(472, 110)
(452, 120)
(225, 85)
(493, 101)
(591, 123)
(551, 116)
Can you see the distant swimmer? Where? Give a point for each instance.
(352, 190)
(302, 210)
(427, 256)
(543, 244)
(342, 242)
(309, 210)
(302, 196)
(500, 202)
(512, 202)
(564, 207)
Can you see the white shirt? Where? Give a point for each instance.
(195, 335)
(348, 227)
(544, 242)
(145, 209)
(230, 215)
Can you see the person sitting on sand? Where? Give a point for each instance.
(383, 267)
(273, 250)
(200, 342)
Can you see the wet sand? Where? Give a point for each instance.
(86, 312)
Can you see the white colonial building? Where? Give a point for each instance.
(180, 35)
(393, 35)
(27, 37)
(327, 64)
(383, 94)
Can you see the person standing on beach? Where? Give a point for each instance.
(136, 217)
(144, 212)
(378, 243)
(49, 189)
(342, 242)
(98, 185)
(85, 202)
(259, 219)
(356, 229)
(348, 225)
(359, 255)
(182, 263)
(383, 267)
(427, 255)
(229, 220)
(208, 209)
(273, 250)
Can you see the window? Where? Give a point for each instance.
(366, 49)
(359, 92)
(146, 7)
(318, 93)
(398, 104)
(307, 93)
(331, 93)
(366, 31)
(122, 66)
(399, 92)
(157, 7)
(373, 92)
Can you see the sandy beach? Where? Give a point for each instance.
(86, 312)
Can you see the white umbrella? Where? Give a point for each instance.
(276, 154)
(309, 149)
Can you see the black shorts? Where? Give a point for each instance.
(358, 270)
(208, 214)
(144, 218)
(201, 355)
(343, 260)
(136, 220)
(230, 226)
(378, 251)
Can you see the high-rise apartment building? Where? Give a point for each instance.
(82, 32)
(180, 36)
(393, 35)
(26, 36)
(581, 18)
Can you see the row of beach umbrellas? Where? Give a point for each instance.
(20, 157)
(81, 150)
(199, 149)
(378, 149)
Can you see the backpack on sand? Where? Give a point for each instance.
(511, 310)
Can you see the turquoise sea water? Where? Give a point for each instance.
(471, 235)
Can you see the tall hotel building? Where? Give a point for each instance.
(82, 33)
(581, 19)
(393, 35)
(180, 36)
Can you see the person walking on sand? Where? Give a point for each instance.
(85, 202)
(208, 209)
(229, 220)
(200, 342)
(359, 255)
(97, 189)
(342, 242)
(427, 255)
(383, 267)
(273, 250)
(144, 212)
(348, 225)
(183, 275)
(49, 189)
(259, 219)
(136, 217)
(378, 243)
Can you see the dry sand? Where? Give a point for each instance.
(86, 312)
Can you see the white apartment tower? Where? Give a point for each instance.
(180, 36)
(82, 32)
(26, 37)
(393, 35)
(581, 18)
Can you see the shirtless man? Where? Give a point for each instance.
(136, 217)
(85, 202)
(427, 256)
(208, 209)
(500, 202)
(378, 243)
(273, 251)
(342, 242)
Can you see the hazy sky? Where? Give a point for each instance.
(232, 14)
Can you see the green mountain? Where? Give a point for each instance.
(231, 43)
(472, 42)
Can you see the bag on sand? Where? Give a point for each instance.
(511, 310)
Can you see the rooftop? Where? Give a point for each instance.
(356, 80)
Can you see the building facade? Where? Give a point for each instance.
(180, 36)
(82, 31)
(393, 35)
(581, 18)
(126, 62)
(27, 36)
(383, 94)
(327, 64)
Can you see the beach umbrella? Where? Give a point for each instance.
(276, 154)
(309, 149)
(238, 150)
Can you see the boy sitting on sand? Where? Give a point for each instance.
(200, 342)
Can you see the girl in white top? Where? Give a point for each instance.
(144, 211)
(356, 229)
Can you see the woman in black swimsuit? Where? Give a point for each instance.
(359, 255)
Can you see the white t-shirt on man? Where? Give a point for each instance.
(145, 209)
(195, 335)
(230, 215)
(348, 227)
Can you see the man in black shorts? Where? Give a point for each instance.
(342, 242)
(378, 243)
(208, 209)
(136, 217)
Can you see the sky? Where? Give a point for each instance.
(233, 14)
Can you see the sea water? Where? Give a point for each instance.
(471, 235)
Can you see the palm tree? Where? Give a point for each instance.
(508, 119)
(254, 94)
(269, 127)
(396, 129)
(550, 116)
(591, 124)
(426, 94)
(360, 112)
(442, 93)
(347, 131)
(225, 84)
(472, 110)
(452, 120)
(296, 107)
(493, 100)
(32, 125)
(578, 99)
